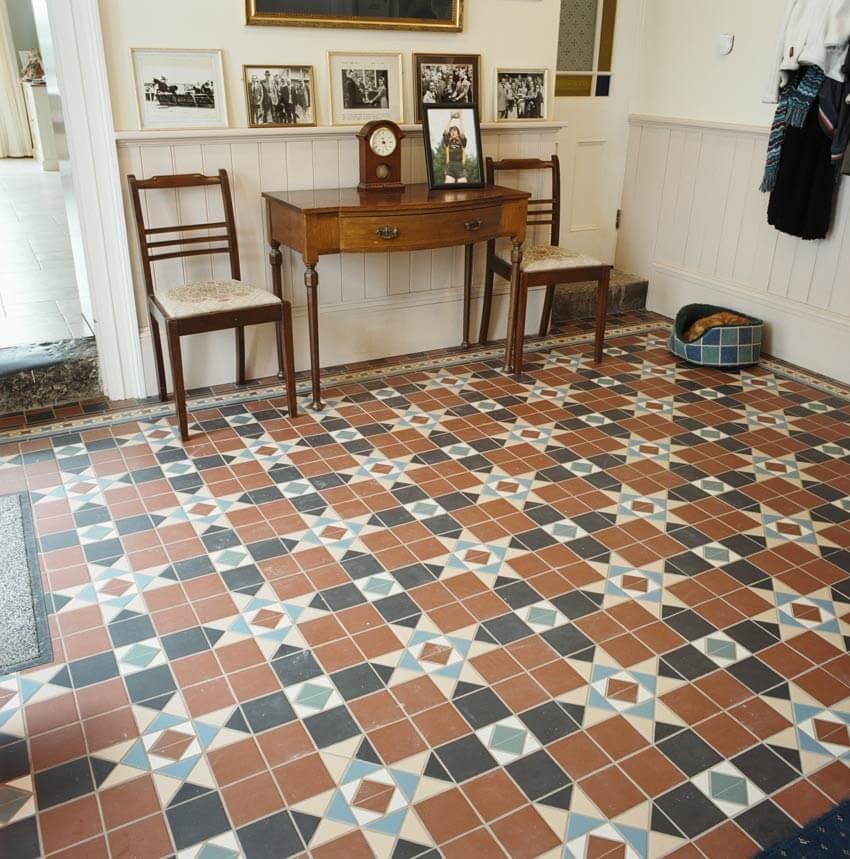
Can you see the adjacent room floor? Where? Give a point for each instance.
(39, 302)
(586, 612)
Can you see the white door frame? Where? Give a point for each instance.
(89, 129)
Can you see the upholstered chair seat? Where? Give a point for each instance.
(212, 296)
(551, 258)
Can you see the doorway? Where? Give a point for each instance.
(46, 323)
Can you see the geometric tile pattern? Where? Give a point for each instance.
(582, 612)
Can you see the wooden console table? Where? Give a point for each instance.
(319, 222)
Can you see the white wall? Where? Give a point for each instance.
(22, 22)
(694, 222)
(681, 74)
(380, 304)
(504, 32)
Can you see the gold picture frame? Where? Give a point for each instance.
(450, 22)
(278, 115)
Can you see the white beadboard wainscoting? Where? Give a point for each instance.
(371, 305)
(695, 224)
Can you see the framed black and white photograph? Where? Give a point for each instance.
(365, 87)
(280, 96)
(453, 154)
(445, 79)
(440, 15)
(179, 88)
(521, 94)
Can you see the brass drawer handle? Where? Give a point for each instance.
(474, 225)
(388, 233)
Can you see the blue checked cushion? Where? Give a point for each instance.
(725, 347)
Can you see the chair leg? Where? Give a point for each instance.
(240, 354)
(546, 315)
(160, 363)
(487, 303)
(177, 375)
(601, 314)
(286, 358)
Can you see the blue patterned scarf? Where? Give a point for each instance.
(795, 102)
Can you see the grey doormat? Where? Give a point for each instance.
(24, 634)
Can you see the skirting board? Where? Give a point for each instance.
(816, 340)
(347, 335)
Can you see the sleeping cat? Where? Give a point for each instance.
(714, 321)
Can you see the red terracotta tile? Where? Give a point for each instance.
(525, 834)
(64, 825)
(447, 815)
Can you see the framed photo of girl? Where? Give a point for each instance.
(453, 154)
(522, 94)
(365, 87)
(445, 79)
(280, 96)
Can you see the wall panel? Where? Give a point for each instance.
(371, 305)
(694, 223)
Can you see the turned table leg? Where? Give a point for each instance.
(276, 263)
(311, 281)
(516, 269)
(468, 257)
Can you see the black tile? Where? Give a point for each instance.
(507, 628)
(518, 595)
(270, 837)
(197, 820)
(270, 711)
(537, 775)
(690, 810)
(247, 579)
(767, 770)
(93, 669)
(689, 625)
(151, 683)
(356, 681)
(413, 576)
(360, 566)
(134, 524)
(62, 540)
(588, 547)
(752, 635)
(575, 604)
(103, 550)
(263, 550)
(687, 662)
(332, 726)
(397, 607)
(481, 708)
(297, 668)
(184, 643)
(567, 640)
(549, 722)
(19, 840)
(689, 752)
(465, 758)
(193, 567)
(342, 597)
(62, 783)
(766, 824)
(14, 761)
(754, 674)
(130, 631)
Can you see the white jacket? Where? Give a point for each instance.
(814, 33)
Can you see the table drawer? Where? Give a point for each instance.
(412, 232)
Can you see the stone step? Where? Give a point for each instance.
(48, 374)
(578, 300)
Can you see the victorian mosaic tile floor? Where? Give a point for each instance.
(586, 612)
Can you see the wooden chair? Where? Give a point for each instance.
(211, 305)
(542, 265)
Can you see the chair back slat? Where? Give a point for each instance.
(542, 211)
(149, 247)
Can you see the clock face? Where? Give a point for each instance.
(383, 142)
